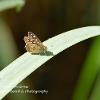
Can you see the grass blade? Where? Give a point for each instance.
(27, 63)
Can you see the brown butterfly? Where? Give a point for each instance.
(33, 44)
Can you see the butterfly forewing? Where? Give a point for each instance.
(33, 44)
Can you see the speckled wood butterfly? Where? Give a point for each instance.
(33, 44)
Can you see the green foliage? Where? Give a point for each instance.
(8, 4)
(89, 72)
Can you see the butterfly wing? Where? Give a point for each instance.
(33, 38)
(33, 44)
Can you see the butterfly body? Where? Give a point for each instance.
(33, 44)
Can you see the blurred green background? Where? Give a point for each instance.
(71, 75)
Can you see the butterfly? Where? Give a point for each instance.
(33, 44)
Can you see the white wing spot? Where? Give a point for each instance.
(34, 36)
(36, 40)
